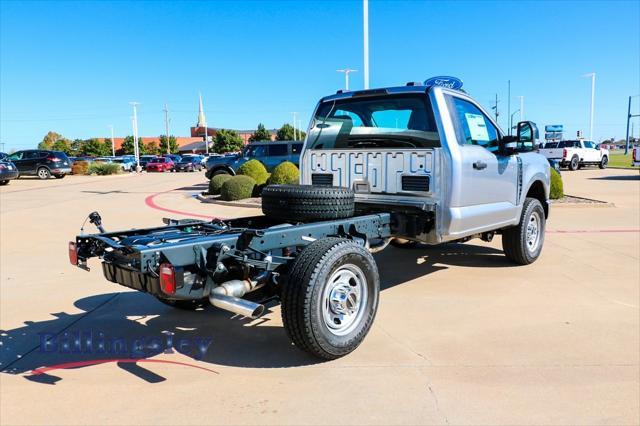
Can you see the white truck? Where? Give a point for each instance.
(576, 153)
(404, 165)
(635, 162)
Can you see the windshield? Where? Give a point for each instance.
(390, 121)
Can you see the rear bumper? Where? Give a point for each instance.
(61, 171)
(8, 174)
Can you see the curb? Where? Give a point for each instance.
(591, 203)
(227, 203)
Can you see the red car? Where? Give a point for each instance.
(161, 164)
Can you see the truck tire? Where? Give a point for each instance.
(307, 202)
(330, 298)
(574, 164)
(604, 162)
(523, 243)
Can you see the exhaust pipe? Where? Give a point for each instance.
(236, 305)
(228, 295)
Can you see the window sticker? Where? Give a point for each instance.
(477, 127)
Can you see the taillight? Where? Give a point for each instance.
(73, 253)
(54, 159)
(564, 153)
(167, 278)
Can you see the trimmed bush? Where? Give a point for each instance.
(285, 173)
(557, 189)
(237, 188)
(103, 169)
(80, 167)
(216, 183)
(254, 169)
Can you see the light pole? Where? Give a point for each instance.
(511, 120)
(521, 108)
(629, 116)
(346, 72)
(166, 126)
(113, 142)
(136, 150)
(365, 21)
(593, 97)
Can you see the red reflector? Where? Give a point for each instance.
(73, 253)
(167, 278)
(564, 153)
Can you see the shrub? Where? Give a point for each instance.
(254, 169)
(80, 167)
(237, 188)
(103, 169)
(216, 183)
(557, 189)
(285, 173)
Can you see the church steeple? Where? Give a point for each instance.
(201, 118)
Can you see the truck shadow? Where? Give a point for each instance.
(619, 177)
(134, 328)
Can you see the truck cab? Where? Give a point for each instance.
(431, 151)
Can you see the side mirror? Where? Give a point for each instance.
(527, 136)
(507, 145)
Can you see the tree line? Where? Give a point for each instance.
(226, 140)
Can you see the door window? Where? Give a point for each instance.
(277, 150)
(16, 156)
(472, 126)
(256, 151)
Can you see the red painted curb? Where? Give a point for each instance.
(149, 201)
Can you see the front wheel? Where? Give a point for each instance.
(523, 243)
(604, 162)
(44, 173)
(330, 298)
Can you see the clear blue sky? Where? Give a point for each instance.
(72, 67)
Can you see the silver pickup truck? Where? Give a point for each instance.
(404, 165)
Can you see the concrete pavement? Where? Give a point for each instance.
(461, 337)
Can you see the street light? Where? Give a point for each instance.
(593, 94)
(346, 72)
(511, 120)
(365, 22)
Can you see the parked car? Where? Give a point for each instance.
(174, 157)
(128, 163)
(268, 153)
(188, 164)
(8, 170)
(3, 155)
(144, 159)
(576, 153)
(200, 158)
(41, 163)
(160, 164)
(636, 157)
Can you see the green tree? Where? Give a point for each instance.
(173, 144)
(62, 145)
(152, 148)
(127, 147)
(261, 134)
(285, 133)
(49, 139)
(76, 147)
(96, 147)
(227, 140)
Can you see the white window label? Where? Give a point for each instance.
(477, 127)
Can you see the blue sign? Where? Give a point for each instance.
(553, 135)
(553, 128)
(444, 81)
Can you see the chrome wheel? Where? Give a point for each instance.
(43, 173)
(344, 299)
(533, 232)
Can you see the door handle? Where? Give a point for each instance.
(479, 165)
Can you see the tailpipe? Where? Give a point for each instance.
(236, 305)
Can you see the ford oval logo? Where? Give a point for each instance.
(444, 81)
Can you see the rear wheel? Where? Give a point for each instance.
(307, 202)
(330, 298)
(523, 243)
(4, 182)
(574, 164)
(604, 162)
(44, 173)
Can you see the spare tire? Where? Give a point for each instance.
(301, 203)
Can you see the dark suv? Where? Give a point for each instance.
(41, 163)
(268, 153)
